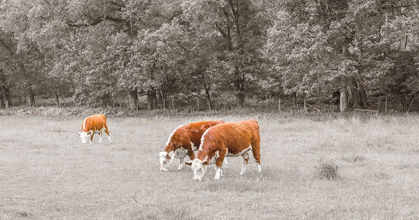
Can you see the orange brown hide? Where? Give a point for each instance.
(183, 136)
(94, 123)
(232, 138)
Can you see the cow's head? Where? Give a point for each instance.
(199, 168)
(165, 159)
(84, 136)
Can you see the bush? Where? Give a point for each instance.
(327, 170)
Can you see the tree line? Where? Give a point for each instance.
(98, 51)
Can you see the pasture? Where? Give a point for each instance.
(46, 173)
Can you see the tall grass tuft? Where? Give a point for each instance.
(327, 169)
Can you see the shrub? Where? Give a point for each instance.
(327, 169)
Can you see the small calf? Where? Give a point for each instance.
(91, 125)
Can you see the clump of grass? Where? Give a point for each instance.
(327, 169)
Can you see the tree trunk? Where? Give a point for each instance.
(5, 97)
(355, 97)
(208, 95)
(239, 83)
(5, 90)
(30, 96)
(362, 95)
(240, 98)
(343, 99)
(355, 94)
(57, 100)
(133, 100)
(151, 98)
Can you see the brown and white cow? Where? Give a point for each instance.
(91, 125)
(183, 141)
(227, 140)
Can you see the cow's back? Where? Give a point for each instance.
(94, 122)
(235, 136)
(197, 129)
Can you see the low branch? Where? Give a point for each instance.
(97, 21)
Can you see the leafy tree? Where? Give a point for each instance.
(235, 26)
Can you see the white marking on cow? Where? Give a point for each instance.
(100, 134)
(181, 163)
(203, 138)
(199, 168)
(84, 123)
(162, 158)
(245, 157)
(180, 153)
(225, 163)
(172, 156)
(193, 146)
(173, 132)
(259, 168)
(218, 173)
(240, 153)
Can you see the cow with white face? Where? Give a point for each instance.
(91, 125)
(182, 142)
(231, 139)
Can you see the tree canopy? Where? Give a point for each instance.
(100, 51)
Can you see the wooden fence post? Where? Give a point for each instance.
(279, 104)
(378, 108)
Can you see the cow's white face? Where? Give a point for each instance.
(199, 168)
(84, 136)
(165, 159)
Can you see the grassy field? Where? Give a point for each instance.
(46, 173)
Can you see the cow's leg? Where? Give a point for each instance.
(181, 163)
(219, 164)
(256, 154)
(191, 154)
(100, 133)
(225, 163)
(245, 157)
(91, 137)
(107, 132)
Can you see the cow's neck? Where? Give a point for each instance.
(169, 148)
(202, 154)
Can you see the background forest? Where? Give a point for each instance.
(175, 53)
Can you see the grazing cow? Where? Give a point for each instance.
(91, 125)
(183, 141)
(227, 140)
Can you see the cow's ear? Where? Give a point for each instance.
(78, 133)
(168, 157)
(188, 163)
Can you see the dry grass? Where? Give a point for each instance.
(46, 173)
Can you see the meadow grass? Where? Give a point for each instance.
(46, 173)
